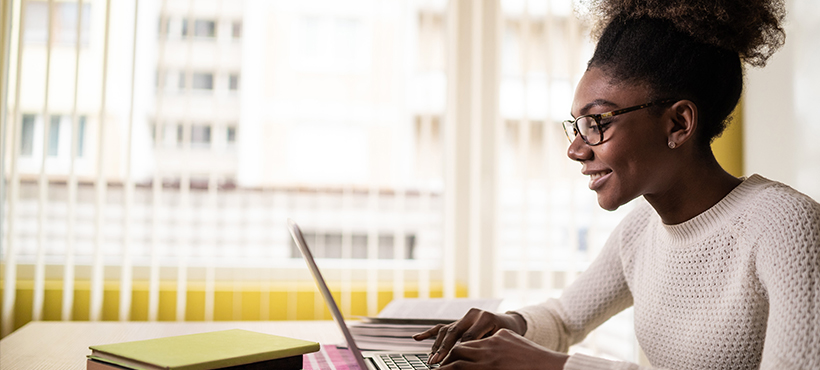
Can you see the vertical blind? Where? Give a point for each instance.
(160, 146)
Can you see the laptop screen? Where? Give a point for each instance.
(296, 233)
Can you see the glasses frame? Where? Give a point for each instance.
(573, 123)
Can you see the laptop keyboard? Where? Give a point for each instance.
(406, 361)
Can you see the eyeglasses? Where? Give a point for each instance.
(590, 128)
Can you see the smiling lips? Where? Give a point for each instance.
(595, 178)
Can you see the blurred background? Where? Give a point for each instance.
(152, 151)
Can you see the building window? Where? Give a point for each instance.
(181, 81)
(184, 27)
(54, 136)
(200, 136)
(233, 82)
(27, 135)
(204, 28)
(172, 135)
(63, 23)
(203, 81)
(36, 24)
(164, 27)
(236, 29)
(80, 136)
(329, 245)
(230, 135)
(154, 133)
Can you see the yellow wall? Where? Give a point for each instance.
(728, 148)
(232, 301)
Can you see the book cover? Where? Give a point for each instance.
(285, 363)
(202, 351)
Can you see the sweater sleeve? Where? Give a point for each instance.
(788, 266)
(599, 293)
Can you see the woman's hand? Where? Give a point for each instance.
(503, 350)
(476, 324)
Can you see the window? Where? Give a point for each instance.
(164, 27)
(200, 136)
(199, 181)
(230, 135)
(204, 28)
(154, 132)
(203, 81)
(236, 29)
(181, 81)
(329, 245)
(36, 24)
(54, 136)
(184, 27)
(27, 135)
(233, 82)
(80, 136)
(63, 23)
(172, 135)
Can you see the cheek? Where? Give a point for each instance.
(635, 160)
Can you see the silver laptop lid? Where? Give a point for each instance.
(296, 233)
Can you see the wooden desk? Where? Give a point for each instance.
(64, 345)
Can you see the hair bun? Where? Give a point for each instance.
(751, 28)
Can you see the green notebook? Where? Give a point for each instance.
(203, 351)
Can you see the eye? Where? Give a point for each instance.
(606, 122)
(593, 129)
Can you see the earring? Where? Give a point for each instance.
(672, 145)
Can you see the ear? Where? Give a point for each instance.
(683, 121)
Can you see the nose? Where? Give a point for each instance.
(579, 150)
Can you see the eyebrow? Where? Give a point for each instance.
(595, 103)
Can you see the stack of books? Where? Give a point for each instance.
(393, 328)
(231, 349)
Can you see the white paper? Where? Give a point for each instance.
(436, 308)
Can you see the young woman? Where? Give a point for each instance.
(723, 273)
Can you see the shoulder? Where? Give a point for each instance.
(775, 210)
(783, 225)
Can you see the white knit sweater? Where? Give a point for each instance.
(737, 287)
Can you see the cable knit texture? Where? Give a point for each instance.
(737, 287)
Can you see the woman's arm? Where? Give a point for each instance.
(788, 266)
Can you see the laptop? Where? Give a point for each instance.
(367, 360)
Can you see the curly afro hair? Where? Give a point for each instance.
(683, 49)
(751, 28)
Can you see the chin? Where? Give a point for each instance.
(607, 204)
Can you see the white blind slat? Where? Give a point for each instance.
(42, 203)
(70, 241)
(126, 276)
(10, 257)
(100, 185)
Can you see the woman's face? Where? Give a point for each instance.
(632, 159)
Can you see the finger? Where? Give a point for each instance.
(485, 324)
(429, 333)
(457, 365)
(439, 340)
(463, 352)
(448, 335)
(448, 339)
(507, 333)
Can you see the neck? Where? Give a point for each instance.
(695, 189)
